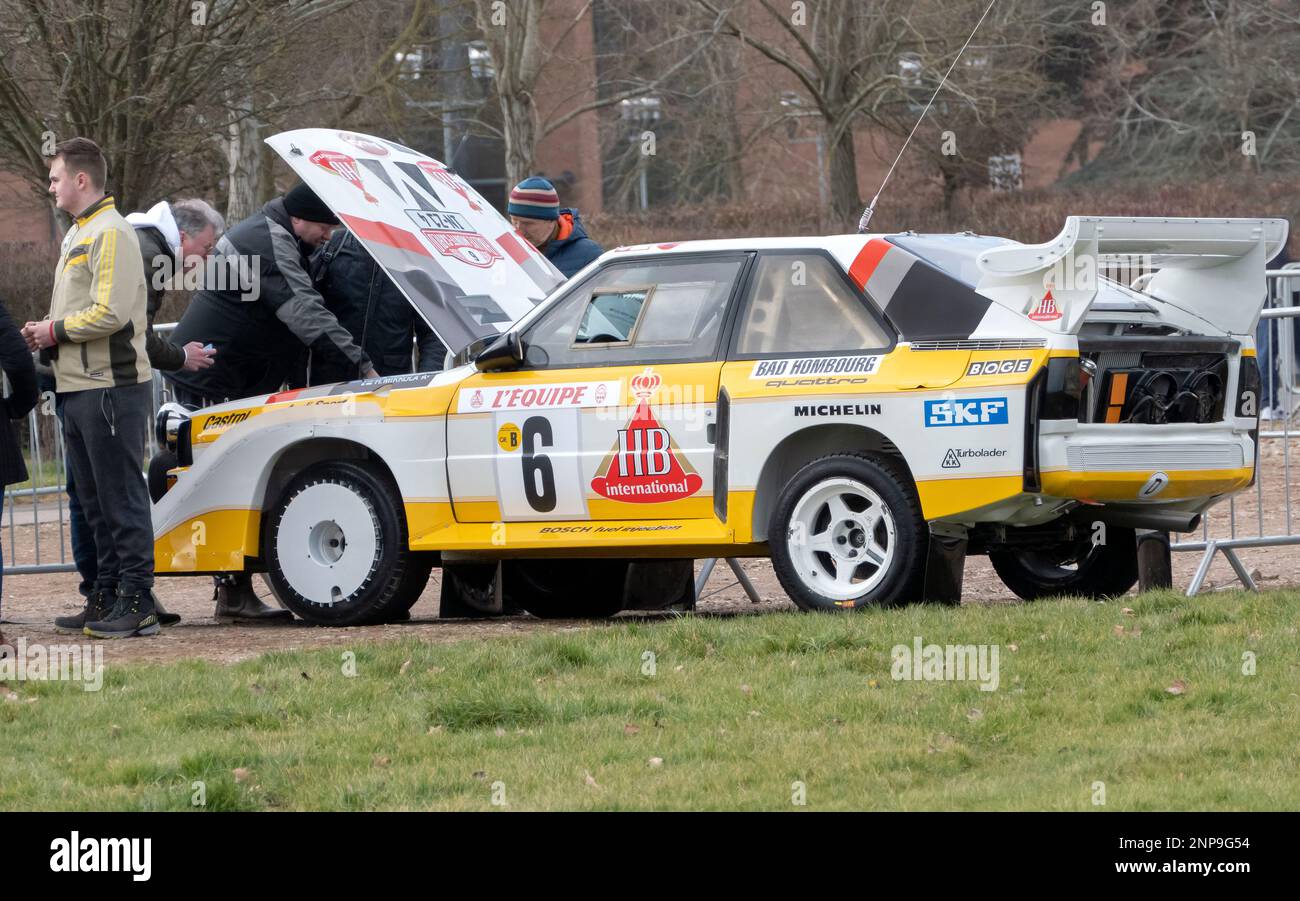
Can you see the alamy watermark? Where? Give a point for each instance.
(54, 663)
(236, 273)
(922, 662)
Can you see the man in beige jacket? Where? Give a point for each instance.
(94, 338)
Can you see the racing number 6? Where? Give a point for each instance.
(543, 500)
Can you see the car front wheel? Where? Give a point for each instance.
(336, 546)
(848, 533)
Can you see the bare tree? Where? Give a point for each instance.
(854, 63)
(523, 41)
(180, 94)
(1198, 87)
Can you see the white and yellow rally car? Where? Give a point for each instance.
(864, 409)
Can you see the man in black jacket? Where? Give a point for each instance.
(16, 361)
(263, 304)
(367, 303)
(256, 306)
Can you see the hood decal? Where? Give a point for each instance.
(458, 261)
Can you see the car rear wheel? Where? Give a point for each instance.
(847, 533)
(336, 547)
(1073, 568)
(567, 589)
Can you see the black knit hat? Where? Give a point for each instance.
(302, 203)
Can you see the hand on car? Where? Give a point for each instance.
(198, 356)
(370, 373)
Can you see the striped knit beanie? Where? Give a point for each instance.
(534, 198)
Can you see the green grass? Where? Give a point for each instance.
(739, 709)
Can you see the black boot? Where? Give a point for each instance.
(132, 615)
(237, 603)
(98, 605)
(164, 618)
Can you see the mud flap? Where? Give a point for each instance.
(660, 585)
(473, 591)
(1155, 562)
(945, 564)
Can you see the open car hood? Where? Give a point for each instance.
(459, 262)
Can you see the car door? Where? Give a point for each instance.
(612, 414)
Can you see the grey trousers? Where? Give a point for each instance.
(104, 430)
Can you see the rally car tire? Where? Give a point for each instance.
(412, 586)
(325, 512)
(848, 533)
(159, 465)
(567, 589)
(1106, 570)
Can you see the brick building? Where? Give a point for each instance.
(781, 168)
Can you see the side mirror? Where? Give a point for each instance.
(504, 352)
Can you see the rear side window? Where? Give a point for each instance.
(800, 303)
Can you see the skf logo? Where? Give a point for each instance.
(1154, 485)
(999, 367)
(966, 411)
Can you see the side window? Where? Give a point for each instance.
(642, 311)
(800, 303)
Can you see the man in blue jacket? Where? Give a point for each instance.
(534, 210)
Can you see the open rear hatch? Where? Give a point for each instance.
(459, 262)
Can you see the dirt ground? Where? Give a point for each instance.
(32, 601)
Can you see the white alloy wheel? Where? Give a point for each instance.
(841, 538)
(328, 543)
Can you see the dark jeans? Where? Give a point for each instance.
(84, 554)
(105, 430)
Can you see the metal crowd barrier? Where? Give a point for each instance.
(43, 501)
(1222, 530)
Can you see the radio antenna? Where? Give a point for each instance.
(865, 221)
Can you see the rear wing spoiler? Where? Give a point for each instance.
(1210, 268)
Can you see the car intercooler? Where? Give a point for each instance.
(1153, 387)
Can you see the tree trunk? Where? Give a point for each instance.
(519, 121)
(513, 34)
(244, 161)
(846, 200)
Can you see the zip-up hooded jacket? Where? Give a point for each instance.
(571, 250)
(98, 308)
(260, 314)
(160, 264)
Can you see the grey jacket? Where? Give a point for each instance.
(260, 312)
